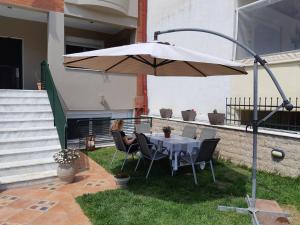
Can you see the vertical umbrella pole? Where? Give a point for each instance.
(286, 104)
(255, 129)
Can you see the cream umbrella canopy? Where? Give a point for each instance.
(157, 58)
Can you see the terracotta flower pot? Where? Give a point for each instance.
(167, 134)
(166, 113)
(39, 85)
(66, 172)
(216, 118)
(188, 115)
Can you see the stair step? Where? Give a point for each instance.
(24, 100)
(22, 123)
(27, 179)
(26, 114)
(24, 107)
(29, 142)
(17, 132)
(29, 150)
(19, 154)
(27, 166)
(22, 93)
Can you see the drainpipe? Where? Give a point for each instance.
(141, 100)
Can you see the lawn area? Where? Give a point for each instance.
(164, 199)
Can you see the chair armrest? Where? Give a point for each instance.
(136, 144)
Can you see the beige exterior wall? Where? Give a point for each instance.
(82, 89)
(236, 146)
(89, 90)
(288, 75)
(34, 36)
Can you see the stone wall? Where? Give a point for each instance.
(236, 146)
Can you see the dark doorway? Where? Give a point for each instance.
(11, 63)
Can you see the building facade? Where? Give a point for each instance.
(32, 31)
(269, 27)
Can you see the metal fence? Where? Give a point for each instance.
(239, 112)
(100, 129)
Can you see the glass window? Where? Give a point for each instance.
(269, 26)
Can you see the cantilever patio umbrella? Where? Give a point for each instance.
(163, 59)
(157, 58)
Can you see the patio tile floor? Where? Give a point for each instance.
(54, 203)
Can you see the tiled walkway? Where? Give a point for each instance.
(53, 203)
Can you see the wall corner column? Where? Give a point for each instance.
(141, 100)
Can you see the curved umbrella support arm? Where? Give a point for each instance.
(286, 103)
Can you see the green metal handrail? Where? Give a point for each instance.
(60, 120)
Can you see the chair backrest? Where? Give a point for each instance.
(207, 149)
(189, 131)
(144, 147)
(142, 128)
(118, 141)
(208, 133)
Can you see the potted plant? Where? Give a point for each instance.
(189, 115)
(122, 179)
(216, 118)
(167, 131)
(66, 169)
(165, 113)
(38, 82)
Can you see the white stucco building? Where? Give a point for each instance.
(269, 27)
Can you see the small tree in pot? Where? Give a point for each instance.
(216, 118)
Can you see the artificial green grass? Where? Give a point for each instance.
(164, 199)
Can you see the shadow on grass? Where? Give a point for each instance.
(180, 188)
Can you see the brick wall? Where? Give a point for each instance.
(236, 146)
(46, 5)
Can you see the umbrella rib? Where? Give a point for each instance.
(78, 60)
(109, 68)
(144, 60)
(141, 60)
(165, 62)
(195, 68)
(229, 67)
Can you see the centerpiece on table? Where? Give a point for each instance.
(66, 168)
(167, 131)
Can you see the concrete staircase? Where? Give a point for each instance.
(28, 138)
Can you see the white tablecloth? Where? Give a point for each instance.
(175, 144)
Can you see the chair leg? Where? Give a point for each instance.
(113, 157)
(171, 166)
(149, 168)
(137, 165)
(194, 173)
(212, 171)
(124, 161)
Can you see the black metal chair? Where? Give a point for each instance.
(149, 151)
(189, 131)
(120, 146)
(200, 155)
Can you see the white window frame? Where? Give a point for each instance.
(272, 58)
